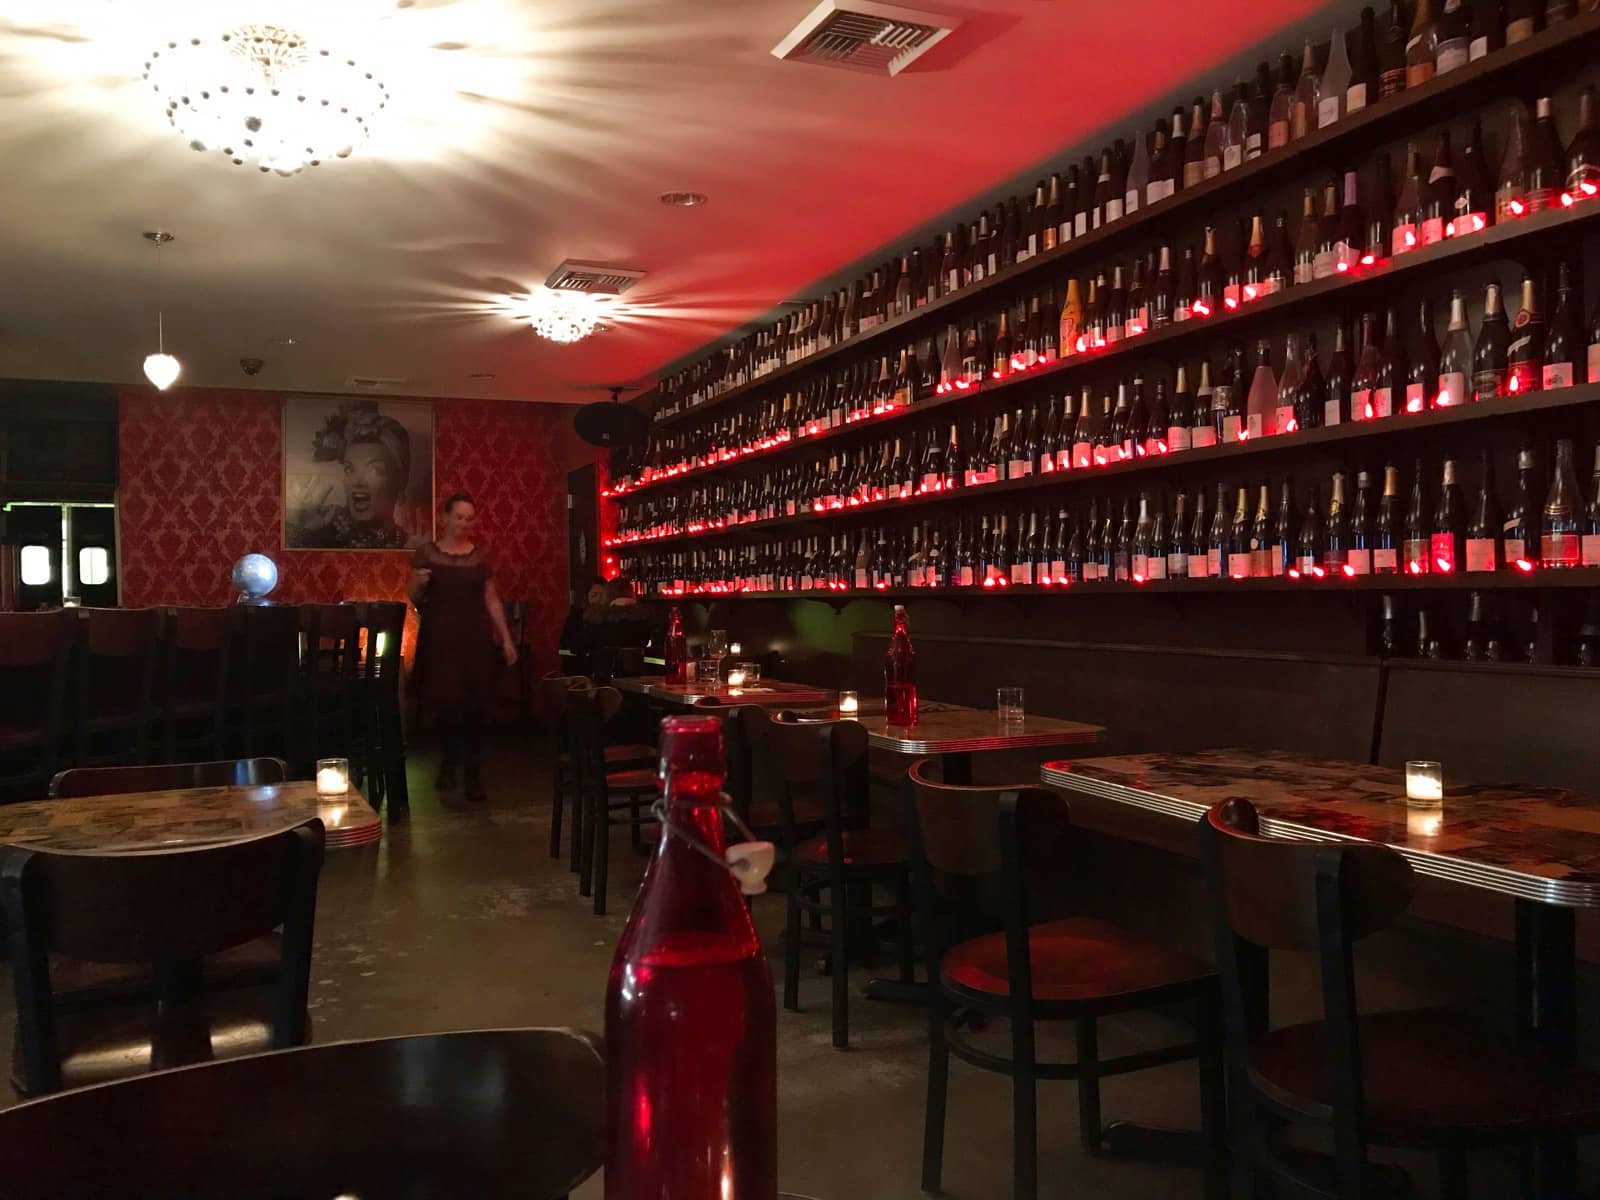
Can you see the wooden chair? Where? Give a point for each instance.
(1431, 1078)
(161, 777)
(168, 909)
(379, 709)
(35, 660)
(604, 793)
(553, 689)
(194, 688)
(332, 663)
(113, 705)
(501, 1112)
(1010, 840)
(813, 775)
(268, 701)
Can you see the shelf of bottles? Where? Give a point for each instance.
(1037, 411)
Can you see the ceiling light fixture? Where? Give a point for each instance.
(683, 199)
(160, 368)
(265, 93)
(565, 316)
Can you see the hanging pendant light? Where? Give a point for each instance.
(160, 368)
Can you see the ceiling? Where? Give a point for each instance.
(522, 133)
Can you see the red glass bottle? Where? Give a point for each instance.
(900, 674)
(677, 649)
(691, 1025)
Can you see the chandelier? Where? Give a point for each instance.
(565, 316)
(265, 93)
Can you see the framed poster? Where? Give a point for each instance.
(357, 473)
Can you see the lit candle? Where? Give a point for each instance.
(849, 705)
(1424, 780)
(735, 648)
(735, 678)
(333, 776)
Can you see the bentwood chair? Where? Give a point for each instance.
(195, 677)
(813, 775)
(1431, 1078)
(1008, 842)
(113, 706)
(167, 910)
(607, 797)
(401, 1116)
(161, 777)
(35, 661)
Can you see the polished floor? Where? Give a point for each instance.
(460, 919)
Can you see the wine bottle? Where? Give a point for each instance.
(1564, 351)
(1379, 213)
(1083, 433)
(1358, 554)
(1511, 186)
(1365, 377)
(1591, 521)
(1307, 238)
(1422, 47)
(1525, 353)
(1583, 152)
(1489, 355)
(1136, 311)
(1260, 101)
(1208, 289)
(1393, 370)
(1308, 558)
(1483, 535)
(1121, 439)
(1071, 339)
(1521, 529)
(1418, 543)
(1288, 388)
(1385, 539)
(1546, 178)
(1474, 202)
(1280, 109)
(1335, 82)
(1138, 177)
(1140, 554)
(1324, 262)
(1271, 543)
(1447, 550)
(1560, 542)
(1180, 420)
(1311, 397)
(1439, 193)
(1406, 234)
(1364, 72)
(1456, 361)
(1203, 430)
(1337, 392)
(1163, 292)
(1487, 30)
(1261, 402)
(1237, 540)
(1453, 46)
(1083, 218)
(1392, 51)
(1196, 555)
(900, 674)
(1156, 422)
(1176, 547)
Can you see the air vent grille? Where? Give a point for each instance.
(373, 383)
(593, 278)
(859, 35)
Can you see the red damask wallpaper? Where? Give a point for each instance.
(202, 484)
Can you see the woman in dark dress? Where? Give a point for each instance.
(452, 585)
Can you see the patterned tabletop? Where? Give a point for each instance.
(186, 817)
(768, 693)
(954, 729)
(1536, 843)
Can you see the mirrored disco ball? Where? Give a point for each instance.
(254, 576)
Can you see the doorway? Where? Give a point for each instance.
(64, 552)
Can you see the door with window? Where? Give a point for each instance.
(63, 550)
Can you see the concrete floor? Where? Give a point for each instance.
(460, 919)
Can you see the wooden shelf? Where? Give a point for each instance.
(1327, 435)
(1498, 241)
(1443, 96)
(1582, 577)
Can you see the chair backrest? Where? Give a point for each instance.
(272, 649)
(118, 781)
(35, 650)
(1322, 897)
(333, 640)
(791, 757)
(157, 907)
(588, 710)
(199, 650)
(386, 630)
(280, 1125)
(117, 660)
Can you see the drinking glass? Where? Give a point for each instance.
(1009, 702)
(708, 672)
(717, 643)
(752, 672)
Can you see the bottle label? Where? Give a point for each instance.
(1559, 549)
(1452, 54)
(1432, 230)
(1361, 408)
(1130, 201)
(1193, 173)
(1080, 223)
(965, 577)
(1466, 222)
(1155, 567)
(1063, 460)
(1330, 412)
(1385, 561)
(1486, 385)
(1516, 551)
(1203, 436)
(1232, 156)
(1177, 438)
(1305, 269)
(928, 483)
(1522, 377)
(1239, 565)
(1283, 419)
(1141, 566)
(1414, 553)
(1452, 389)
(1175, 565)
(1214, 561)
(1443, 548)
(1418, 74)
(788, 508)
(1058, 570)
(1594, 362)
(1382, 403)
(1113, 210)
(1022, 573)
(1325, 263)
(1327, 111)
(1480, 554)
(1277, 134)
(1355, 97)
(1198, 566)
(1064, 232)
(1558, 375)
(806, 584)
(1591, 549)
(1252, 146)
(1306, 564)
(1478, 48)
(1252, 427)
(1519, 30)
(1403, 238)
(1016, 468)
(1359, 562)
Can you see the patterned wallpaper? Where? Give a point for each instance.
(201, 485)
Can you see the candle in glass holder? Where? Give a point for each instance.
(735, 648)
(735, 678)
(1424, 780)
(333, 776)
(849, 705)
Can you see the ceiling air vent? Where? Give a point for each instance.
(860, 35)
(594, 278)
(373, 383)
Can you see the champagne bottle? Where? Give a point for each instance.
(1203, 430)
(1385, 539)
(1447, 551)
(1521, 529)
(1545, 175)
(1379, 213)
(1392, 51)
(1311, 398)
(1489, 355)
(1261, 403)
(1208, 289)
(1309, 551)
(1365, 377)
(1177, 546)
(1415, 549)
(1270, 545)
(1483, 535)
(1560, 543)
(1237, 540)
(1196, 561)
(1525, 354)
(1336, 393)
(1364, 72)
(1474, 203)
(1139, 559)
(1358, 559)
(1564, 351)
(1456, 361)
(1283, 414)
(1388, 393)
(1511, 186)
(1583, 152)
(1422, 47)
(1217, 538)
(1336, 538)
(1180, 422)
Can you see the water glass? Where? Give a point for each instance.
(752, 672)
(1008, 700)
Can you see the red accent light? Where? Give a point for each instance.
(1371, 412)
(1244, 434)
(1411, 239)
(1566, 199)
(1139, 451)
(1249, 291)
(1341, 266)
(1083, 344)
(1161, 446)
(1368, 259)
(1589, 189)
(1291, 426)
(1200, 309)
(1444, 565)
(989, 582)
(1349, 571)
(1415, 568)
(1450, 229)
(1138, 578)
(1524, 566)
(1293, 572)
(1414, 405)
(1517, 207)
(1229, 302)
(1514, 384)
(1319, 573)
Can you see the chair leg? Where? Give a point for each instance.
(1024, 1111)
(839, 976)
(580, 826)
(558, 801)
(635, 826)
(602, 852)
(1213, 1100)
(904, 932)
(1089, 1084)
(938, 1094)
(583, 843)
(1453, 1173)
(791, 945)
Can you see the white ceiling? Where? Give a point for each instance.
(521, 133)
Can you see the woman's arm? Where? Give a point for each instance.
(497, 617)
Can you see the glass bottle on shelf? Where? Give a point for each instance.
(1564, 350)
(1392, 50)
(1446, 542)
(1583, 152)
(1560, 542)
(1521, 529)
(676, 650)
(1261, 402)
(1474, 206)
(1544, 173)
(1525, 353)
(1418, 542)
(1483, 535)
(1385, 537)
(1455, 361)
(1590, 546)
(690, 1020)
(1364, 71)
(1422, 47)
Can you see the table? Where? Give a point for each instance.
(955, 732)
(767, 693)
(1538, 845)
(186, 817)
